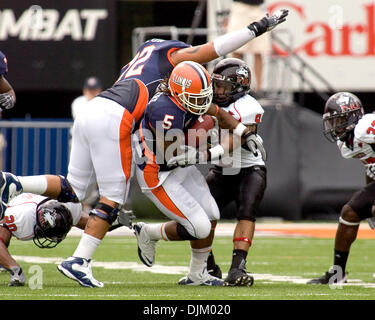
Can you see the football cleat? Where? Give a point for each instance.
(17, 277)
(325, 279)
(79, 269)
(239, 277)
(215, 272)
(146, 246)
(201, 279)
(10, 187)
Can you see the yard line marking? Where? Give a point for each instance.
(162, 269)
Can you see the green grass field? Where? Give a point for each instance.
(281, 266)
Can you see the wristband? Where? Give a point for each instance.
(239, 130)
(216, 152)
(217, 110)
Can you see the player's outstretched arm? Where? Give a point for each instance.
(6, 259)
(229, 42)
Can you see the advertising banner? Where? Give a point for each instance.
(335, 37)
(52, 44)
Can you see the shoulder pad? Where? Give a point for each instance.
(365, 129)
(248, 109)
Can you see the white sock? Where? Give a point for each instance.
(34, 184)
(86, 246)
(198, 260)
(157, 231)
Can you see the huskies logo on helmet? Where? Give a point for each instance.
(53, 222)
(243, 76)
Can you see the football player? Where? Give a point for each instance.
(181, 192)
(7, 94)
(101, 138)
(246, 185)
(46, 222)
(353, 131)
(37, 218)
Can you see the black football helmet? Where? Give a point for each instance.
(234, 76)
(53, 222)
(342, 112)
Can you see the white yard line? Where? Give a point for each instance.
(182, 270)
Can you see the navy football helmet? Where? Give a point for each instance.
(53, 222)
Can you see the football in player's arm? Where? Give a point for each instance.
(7, 94)
(346, 124)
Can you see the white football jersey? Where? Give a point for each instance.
(77, 105)
(364, 135)
(20, 216)
(248, 111)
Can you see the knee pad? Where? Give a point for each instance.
(67, 193)
(110, 214)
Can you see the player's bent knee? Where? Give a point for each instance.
(110, 214)
(203, 229)
(349, 215)
(197, 231)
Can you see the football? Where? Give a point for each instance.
(198, 133)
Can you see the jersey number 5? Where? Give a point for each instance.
(167, 122)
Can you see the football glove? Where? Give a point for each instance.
(254, 143)
(190, 156)
(6, 100)
(370, 171)
(268, 22)
(124, 218)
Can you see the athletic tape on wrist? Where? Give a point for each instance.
(239, 130)
(216, 152)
